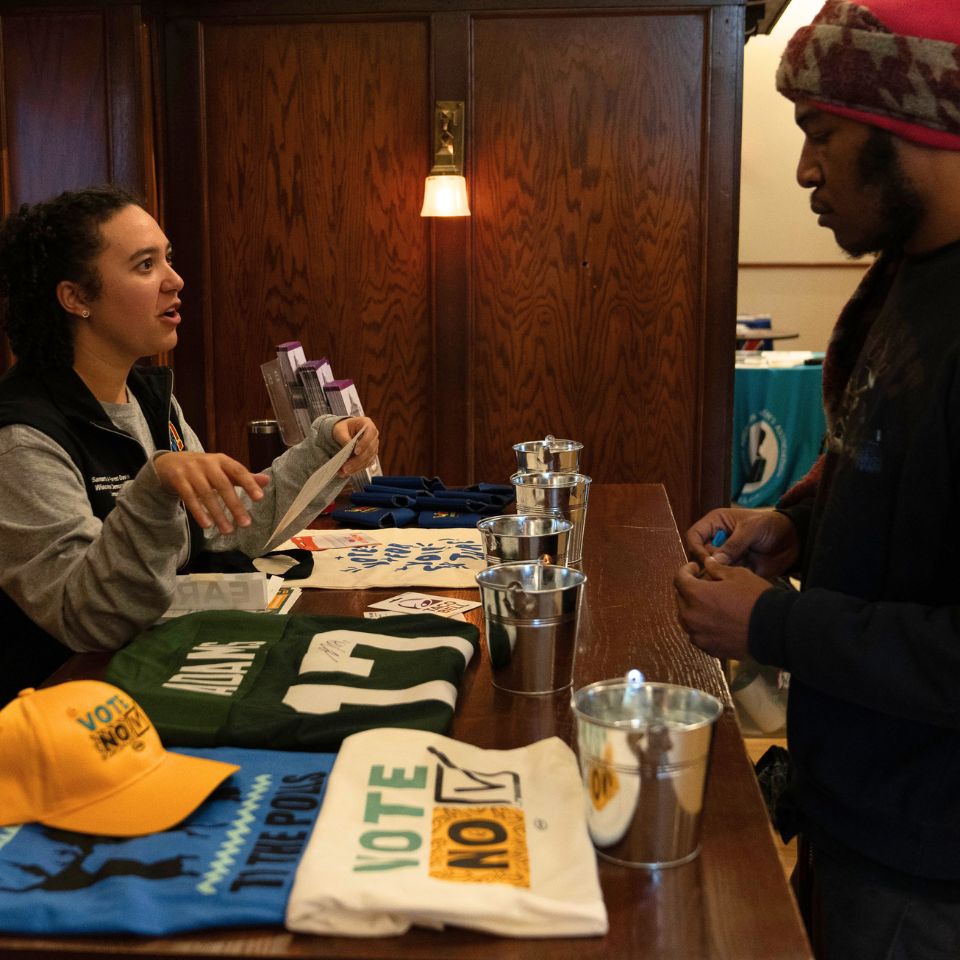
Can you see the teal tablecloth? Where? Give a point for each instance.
(778, 426)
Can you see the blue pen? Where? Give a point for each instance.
(719, 538)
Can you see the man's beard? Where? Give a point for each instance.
(901, 208)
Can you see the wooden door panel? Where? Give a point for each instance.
(588, 146)
(55, 104)
(316, 152)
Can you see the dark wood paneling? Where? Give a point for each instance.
(718, 308)
(77, 105)
(181, 151)
(452, 403)
(129, 95)
(589, 135)
(308, 8)
(56, 107)
(314, 159)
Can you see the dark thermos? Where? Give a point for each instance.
(264, 442)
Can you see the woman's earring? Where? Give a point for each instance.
(85, 314)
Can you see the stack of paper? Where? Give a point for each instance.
(230, 591)
(302, 390)
(313, 375)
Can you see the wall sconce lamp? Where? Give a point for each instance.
(445, 190)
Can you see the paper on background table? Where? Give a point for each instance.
(308, 492)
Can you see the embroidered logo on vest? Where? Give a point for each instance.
(176, 443)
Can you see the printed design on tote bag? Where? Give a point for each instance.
(440, 553)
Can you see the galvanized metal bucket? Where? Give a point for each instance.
(644, 754)
(548, 456)
(531, 613)
(557, 494)
(525, 537)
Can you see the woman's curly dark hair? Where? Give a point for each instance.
(41, 245)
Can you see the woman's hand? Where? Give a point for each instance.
(205, 483)
(365, 452)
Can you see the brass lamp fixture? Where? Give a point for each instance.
(445, 190)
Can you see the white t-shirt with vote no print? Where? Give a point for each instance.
(419, 829)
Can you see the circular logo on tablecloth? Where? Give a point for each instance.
(763, 450)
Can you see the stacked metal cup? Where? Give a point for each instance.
(531, 613)
(531, 596)
(644, 753)
(548, 482)
(556, 494)
(513, 538)
(548, 455)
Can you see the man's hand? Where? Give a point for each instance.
(365, 452)
(715, 604)
(762, 540)
(205, 483)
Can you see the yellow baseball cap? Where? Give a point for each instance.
(84, 756)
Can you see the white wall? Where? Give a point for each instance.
(789, 267)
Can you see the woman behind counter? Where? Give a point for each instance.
(105, 491)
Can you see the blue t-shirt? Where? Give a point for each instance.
(231, 863)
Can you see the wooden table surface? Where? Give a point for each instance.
(730, 903)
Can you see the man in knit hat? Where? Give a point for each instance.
(872, 640)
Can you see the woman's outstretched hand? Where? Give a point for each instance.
(206, 482)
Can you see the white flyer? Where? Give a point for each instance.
(425, 603)
(331, 539)
(319, 479)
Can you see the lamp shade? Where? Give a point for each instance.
(445, 195)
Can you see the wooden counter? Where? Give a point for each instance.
(731, 903)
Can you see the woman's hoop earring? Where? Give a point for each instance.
(85, 314)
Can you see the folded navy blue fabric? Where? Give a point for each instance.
(476, 496)
(383, 488)
(500, 489)
(402, 500)
(444, 518)
(418, 483)
(373, 498)
(462, 503)
(374, 516)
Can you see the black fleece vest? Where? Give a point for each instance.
(59, 404)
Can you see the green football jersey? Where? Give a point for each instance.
(230, 678)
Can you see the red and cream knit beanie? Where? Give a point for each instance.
(893, 64)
